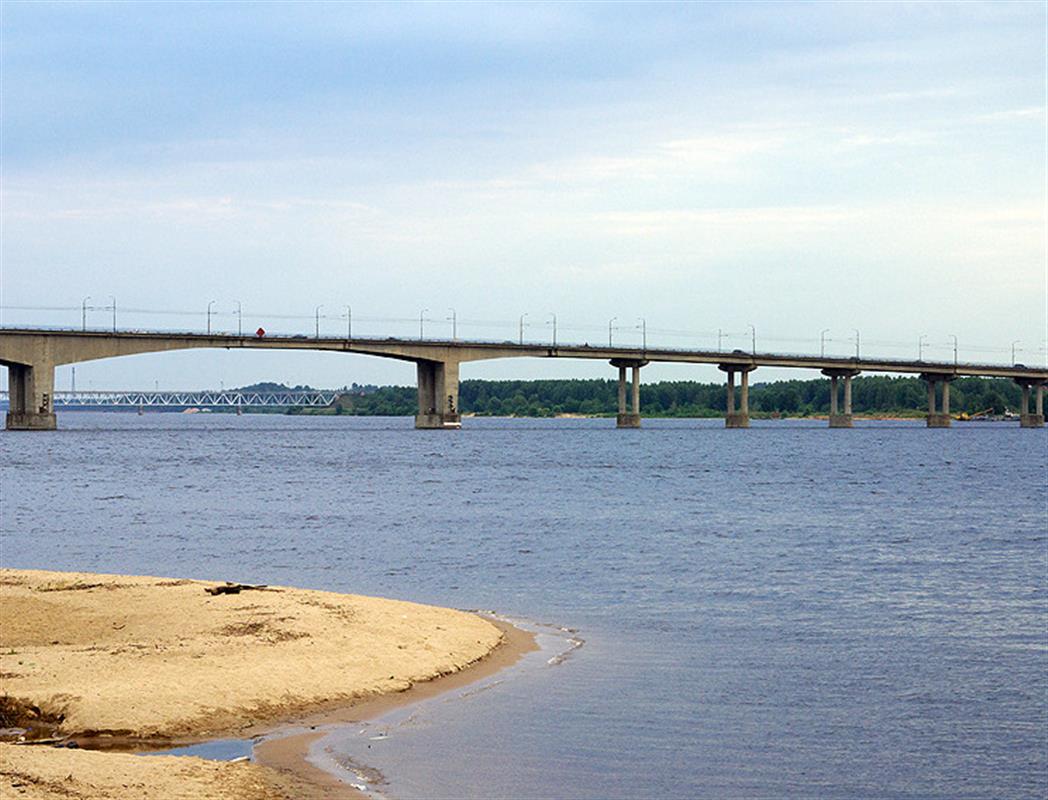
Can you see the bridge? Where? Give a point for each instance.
(223, 398)
(31, 355)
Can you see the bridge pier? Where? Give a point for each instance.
(938, 418)
(438, 395)
(630, 418)
(837, 418)
(1035, 418)
(740, 418)
(31, 389)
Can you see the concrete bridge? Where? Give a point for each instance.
(31, 356)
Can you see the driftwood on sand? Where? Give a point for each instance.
(235, 588)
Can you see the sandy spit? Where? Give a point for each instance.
(161, 659)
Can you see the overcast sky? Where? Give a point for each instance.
(797, 167)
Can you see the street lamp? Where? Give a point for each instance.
(112, 300)
(421, 322)
(522, 316)
(554, 316)
(83, 313)
(453, 319)
(920, 346)
(210, 303)
(643, 333)
(753, 339)
(1017, 341)
(856, 344)
(611, 322)
(952, 336)
(240, 319)
(822, 342)
(316, 318)
(720, 339)
(349, 322)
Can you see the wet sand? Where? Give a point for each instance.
(118, 660)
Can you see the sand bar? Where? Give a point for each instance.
(162, 659)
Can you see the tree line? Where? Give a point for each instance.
(873, 394)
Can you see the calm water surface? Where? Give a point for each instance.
(787, 611)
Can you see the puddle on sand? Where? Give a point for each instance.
(217, 750)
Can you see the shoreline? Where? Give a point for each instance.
(286, 749)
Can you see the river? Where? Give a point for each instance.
(785, 611)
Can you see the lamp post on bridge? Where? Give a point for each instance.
(822, 342)
(611, 322)
(522, 317)
(643, 334)
(954, 337)
(349, 323)
(554, 316)
(856, 344)
(209, 304)
(421, 323)
(920, 346)
(453, 319)
(753, 339)
(720, 340)
(240, 319)
(112, 301)
(316, 318)
(1017, 341)
(83, 313)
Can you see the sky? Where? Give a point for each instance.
(798, 167)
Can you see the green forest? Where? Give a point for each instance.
(546, 398)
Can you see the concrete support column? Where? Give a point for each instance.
(1031, 418)
(840, 418)
(740, 418)
(426, 377)
(31, 391)
(448, 381)
(938, 418)
(628, 418)
(438, 388)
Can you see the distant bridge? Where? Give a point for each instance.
(230, 398)
(31, 355)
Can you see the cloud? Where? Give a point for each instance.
(648, 223)
(912, 138)
(1007, 115)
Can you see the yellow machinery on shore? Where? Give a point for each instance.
(964, 416)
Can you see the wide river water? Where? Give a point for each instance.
(788, 611)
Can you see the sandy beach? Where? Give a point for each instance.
(122, 659)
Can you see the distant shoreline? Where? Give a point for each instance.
(899, 416)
